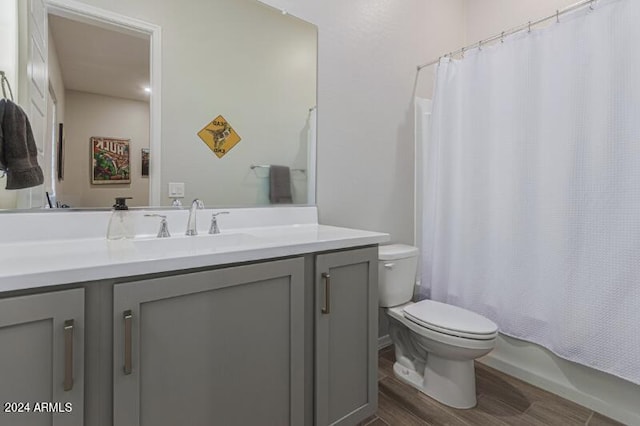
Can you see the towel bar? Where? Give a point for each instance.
(266, 166)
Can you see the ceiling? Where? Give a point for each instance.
(98, 60)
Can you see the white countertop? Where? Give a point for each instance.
(33, 264)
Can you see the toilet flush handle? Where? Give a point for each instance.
(389, 265)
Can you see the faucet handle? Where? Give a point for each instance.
(164, 226)
(214, 229)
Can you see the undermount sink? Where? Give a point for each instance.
(205, 242)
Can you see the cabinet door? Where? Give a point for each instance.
(222, 347)
(346, 336)
(41, 359)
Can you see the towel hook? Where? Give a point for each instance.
(3, 80)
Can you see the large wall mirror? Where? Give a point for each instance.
(149, 80)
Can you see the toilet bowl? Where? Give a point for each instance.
(435, 343)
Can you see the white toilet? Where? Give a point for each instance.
(435, 343)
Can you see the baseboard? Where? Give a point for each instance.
(384, 341)
(611, 407)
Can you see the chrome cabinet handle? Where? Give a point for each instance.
(68, 355)
(128, 316)
(326, 308)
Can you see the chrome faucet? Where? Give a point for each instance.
(214, 228)
(164, 226)
(192, 228)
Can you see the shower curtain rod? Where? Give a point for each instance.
(514, 30)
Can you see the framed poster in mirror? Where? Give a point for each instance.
(110, 160)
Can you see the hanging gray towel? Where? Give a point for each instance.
(280, 185)
(18, 152)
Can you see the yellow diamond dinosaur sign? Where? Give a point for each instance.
(219, 136)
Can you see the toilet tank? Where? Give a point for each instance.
(397, 266)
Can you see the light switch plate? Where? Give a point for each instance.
(176, 189)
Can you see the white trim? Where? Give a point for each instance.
(155, 130)
(422, 107)
(312, 157)
(89, 14)
(422, 123)
(384, 341)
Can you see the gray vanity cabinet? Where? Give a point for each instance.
(42, 359)
(219, 347)
(346, 305)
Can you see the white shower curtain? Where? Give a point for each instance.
(531, 210)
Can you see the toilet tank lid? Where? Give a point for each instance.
(396, 251)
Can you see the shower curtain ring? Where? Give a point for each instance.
(480, 46)
(502, 37)
(591, 5)
(529, 26)
(557, 16)
(462, 53)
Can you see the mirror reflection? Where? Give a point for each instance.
(237, 115)
(99, 83)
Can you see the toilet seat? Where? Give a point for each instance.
(397, 314)
(450, 320)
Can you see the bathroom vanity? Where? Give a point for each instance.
(269, 325)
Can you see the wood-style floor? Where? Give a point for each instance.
(502, 400)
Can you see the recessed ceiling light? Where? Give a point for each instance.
(284, 12)
(147, 89)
